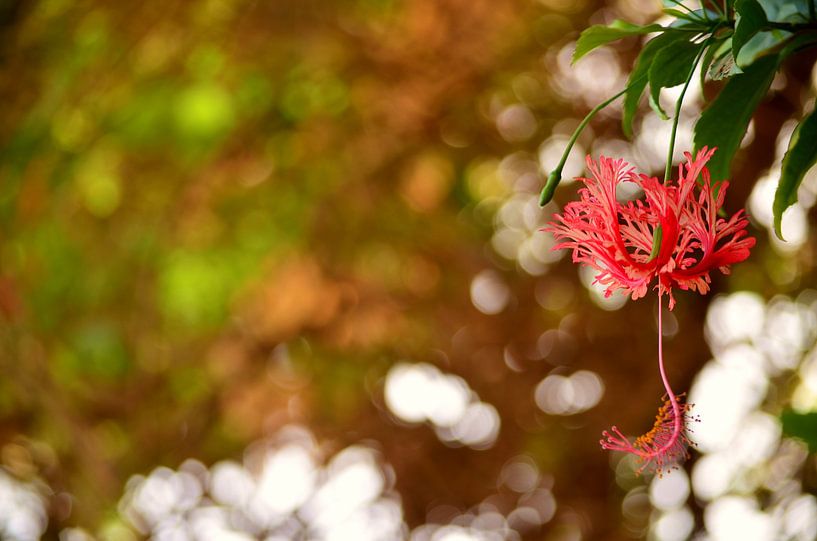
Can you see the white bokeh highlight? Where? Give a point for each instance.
(744, 453)
(559, 394)
(421, 393)
(23, 514)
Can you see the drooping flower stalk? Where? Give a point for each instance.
(673, 238)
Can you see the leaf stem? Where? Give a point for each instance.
(687, 9)
(555, 176)
(790, 27)
(668, 168)
(714, 5)
(705, 16)
(681, 5)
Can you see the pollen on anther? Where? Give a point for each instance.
(666, 443)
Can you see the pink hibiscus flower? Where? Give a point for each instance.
(673, 235)
(673, 238)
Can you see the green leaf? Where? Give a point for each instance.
(750, 19)
(802, 426)
(800, 157)
(797, 44)
(724, 63)
(761, 44)
(670, 68)
(793, 11)
(678, 14)
(641, 68)
(600, 34)
(699, 16)
(705, 15)
(724, 122)
(707, 59)
(724, 67)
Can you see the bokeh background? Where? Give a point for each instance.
(274, 270)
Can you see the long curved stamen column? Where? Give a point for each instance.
(667, 441)
(676, 407)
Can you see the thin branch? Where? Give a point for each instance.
(555, 177)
